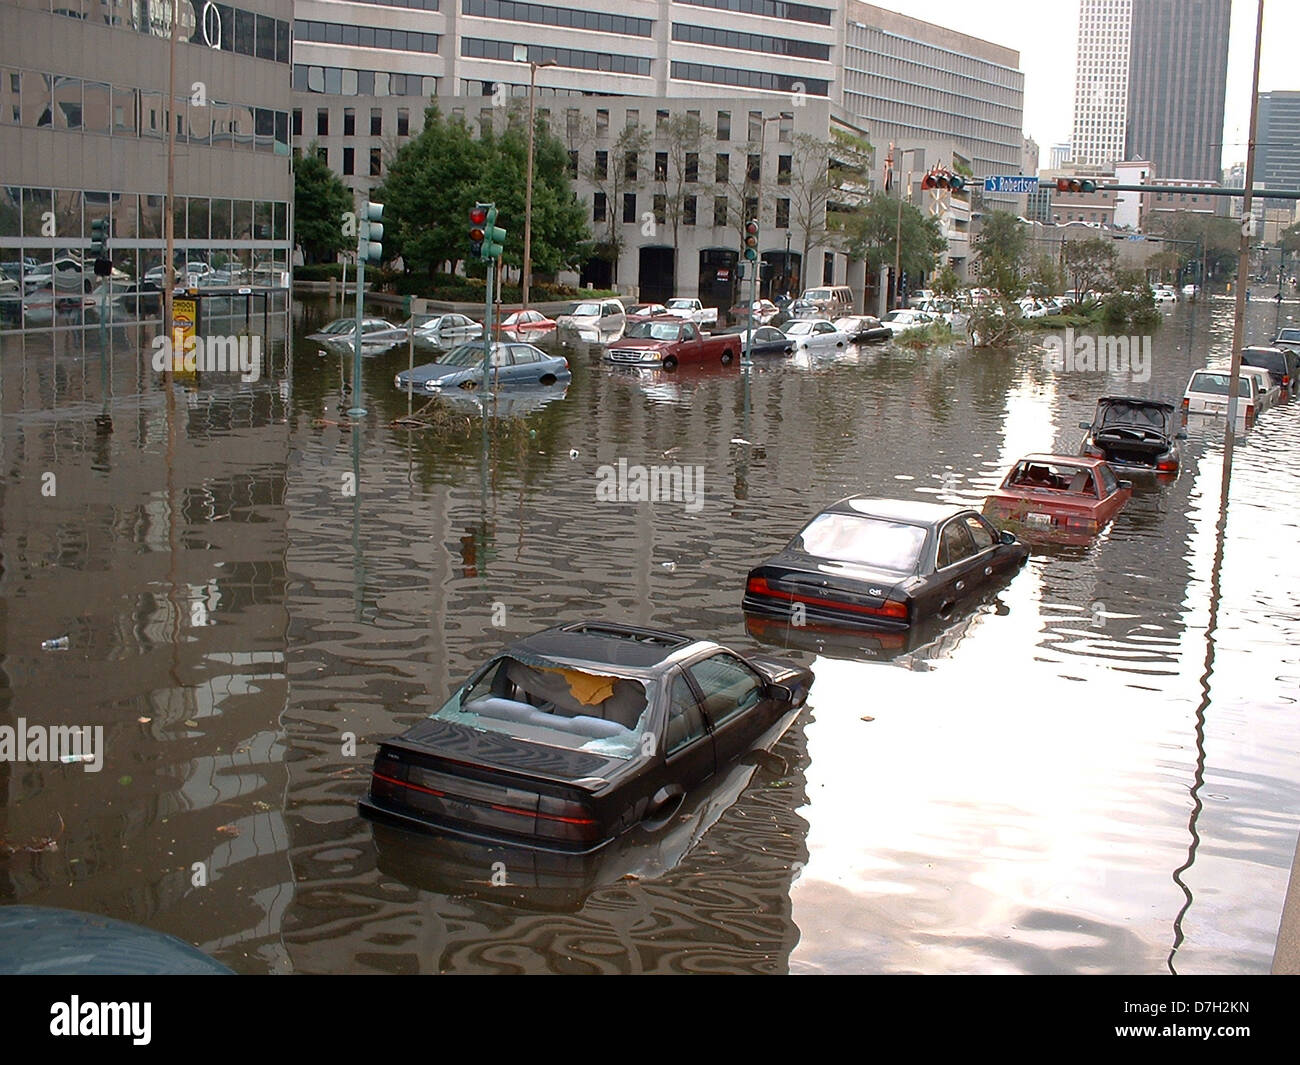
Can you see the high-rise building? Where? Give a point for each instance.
(1277, 141)
(1177, 85)
(1101, 81)
(1150, 83)
(1060, 155)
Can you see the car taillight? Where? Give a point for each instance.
(1167, 466)
(890, 608)
(1080, 522)
(1186, 404)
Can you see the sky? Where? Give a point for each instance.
(1045, 34)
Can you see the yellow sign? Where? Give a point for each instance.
(185, 317)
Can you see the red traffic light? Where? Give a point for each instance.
(751, 227)
(478, 216)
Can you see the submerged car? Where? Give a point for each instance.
(571, 737)
(814, 334)
(883, 563)
(901, 321)
(594, 322)
(1069, 498)
(1282, 364)
(1288, 338)
(863, 328)
(513, 363)
(443, 330)
(768, 340)
(1207, 393)
(1134, 434)
(524, 325)
(377, 334)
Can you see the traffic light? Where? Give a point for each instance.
(494, 238)
(371, 233)
(943, 179)
(477, 220)
(751, 240)
(1075, 185)
(98, 237)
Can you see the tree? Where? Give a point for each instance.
(828, 180)
(1045, 275)
(1000, 251)
(1217, 239)
(1090, 265)
(319, 202)
(681, 173)
(613, 181)
(872, 232)
(1290, 239)
(945, 283)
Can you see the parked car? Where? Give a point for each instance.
(593, 322)
(640, 311)
(1270, 395)
(920, 296)
(761, 311)
(1207, 393)
(1134, 435)
(1288, 338)
(1065, 498)
(814, 335)
(670, 342)
(885, 563)
(831, 301)
(768, 340)
(513, 363)
(1191, 291)
(693, 311)
(860, 328)
(377, 334)
(524, 325)
(443, 330)
(571, 737)
(901, 321)
(1165, 294)
(1282, 364)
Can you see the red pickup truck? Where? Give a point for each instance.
(670, 342)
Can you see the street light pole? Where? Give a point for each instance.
(526, 280)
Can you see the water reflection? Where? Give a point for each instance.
(1058, 782)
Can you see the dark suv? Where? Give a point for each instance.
(1134, 435)
(1283, 367)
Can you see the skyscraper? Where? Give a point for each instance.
(1177, 83)
(1277, 160)
(1101, 80)
(1150, 83)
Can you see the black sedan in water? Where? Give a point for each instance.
(1134, 435)
(570, 737)
(884, 563)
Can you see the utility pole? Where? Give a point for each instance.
(1243, 276)
(525, 282)
(169, 220)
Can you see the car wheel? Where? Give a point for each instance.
(727, 356)
(670, 363)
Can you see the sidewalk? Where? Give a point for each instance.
(1286, 957)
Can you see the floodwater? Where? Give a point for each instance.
(1095, 771)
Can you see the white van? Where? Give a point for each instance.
(833, 301)
(1207, 393)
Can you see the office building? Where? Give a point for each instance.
(1101, 81)
(1277, 145)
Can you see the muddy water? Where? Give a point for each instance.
(1096, 771)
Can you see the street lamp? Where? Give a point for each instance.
(898, 227)
(521, 56)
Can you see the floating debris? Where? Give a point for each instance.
(59, 643)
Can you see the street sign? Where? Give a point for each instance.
(1011, 185)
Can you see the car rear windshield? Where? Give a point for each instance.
(654, 331)
(586, 310)
(875, 542)
(557, 706)
(1290, 336)
(1273, 361)
(1216, 384)
(1140, 414)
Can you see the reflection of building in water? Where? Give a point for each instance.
(160, 556)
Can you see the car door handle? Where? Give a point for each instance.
(961, 585)
(988, 571)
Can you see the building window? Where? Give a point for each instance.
(754, 171)
(722, 169)
(688, 211)
(783, 163)
(720, 211)
(376, 122)
(571, 117)
(349, 121)
(661, 209)
(403, 121)
(573, 165)
(599, 207)
(783, 214)
(322, 122)
(692, 167)
(348, 161)
(785, 128)
(724, 125)
(633, 118)
(630, 166)
(376, 162)
(602, 166)
(602, 121)
(629, 207)
(755, 126)
(297, 121)
(323, 154)
(751, 206)
(661, 166)
(548, 15)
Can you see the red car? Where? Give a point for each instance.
(1062, 498)
(525, 325)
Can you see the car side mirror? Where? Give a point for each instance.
(1008, 537)
(1126, 484)
(1181, 435)
(779, 692)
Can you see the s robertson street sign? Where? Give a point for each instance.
(1013, 186)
